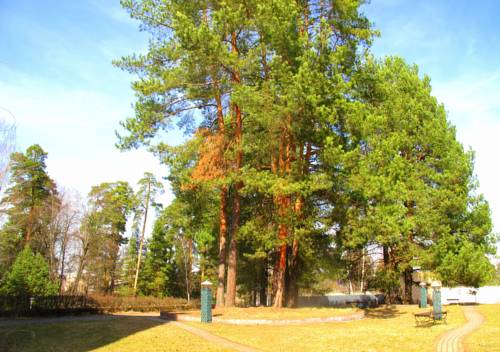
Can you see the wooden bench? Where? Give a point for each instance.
(429, 317)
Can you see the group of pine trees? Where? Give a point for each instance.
(307, 158)
(52, 243)
(307, 163)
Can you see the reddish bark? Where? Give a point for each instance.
(221, 272)
(233, 254)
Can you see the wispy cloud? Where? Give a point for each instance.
(76, 127)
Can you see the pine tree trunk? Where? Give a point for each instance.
(221, 271)
(280, 277)
(233, 254)
(293, 292)
(386, 255)
(408, 286)
(283, 208)
(264, 285)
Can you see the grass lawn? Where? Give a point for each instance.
(487, 338)
(121, 334)
(384, 329)
(276, 314)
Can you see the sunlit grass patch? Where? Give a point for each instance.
(121, 334)
(390, 328)
(487, 337)
(277, 313)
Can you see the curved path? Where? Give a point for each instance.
(335, 319)
(451, 341)
(216, 340)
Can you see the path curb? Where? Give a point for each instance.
(337, 319)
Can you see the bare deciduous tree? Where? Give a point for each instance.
(7, 141)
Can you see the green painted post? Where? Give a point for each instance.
(206, 302)
(436, 300)
(423, 295)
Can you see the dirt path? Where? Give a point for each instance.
(216, 340)
(452, 340)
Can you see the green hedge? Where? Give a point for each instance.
(108, 303)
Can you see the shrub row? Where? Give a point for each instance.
(60, 305)
(140, 304)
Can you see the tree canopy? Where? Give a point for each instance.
(305, 155)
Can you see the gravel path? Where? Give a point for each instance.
(452, 340)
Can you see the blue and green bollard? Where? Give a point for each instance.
(206, 302)
(436, 300)
(423, 294)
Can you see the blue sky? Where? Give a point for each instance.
(57, 79)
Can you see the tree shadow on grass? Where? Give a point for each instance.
(385, 312)
(425, 325)
(76, 335)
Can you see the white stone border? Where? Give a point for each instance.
(336, 319)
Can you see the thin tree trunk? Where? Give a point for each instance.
(139, 255)
(386, 255)
(362, 280)
(187, 268)
(64, 245)
(113, 270)
(264, 284)
(80, 268)
(29, 227)
(408, 299)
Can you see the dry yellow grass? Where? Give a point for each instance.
(487, 337)
(117, 335)
(384, 329)
(277, 313)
